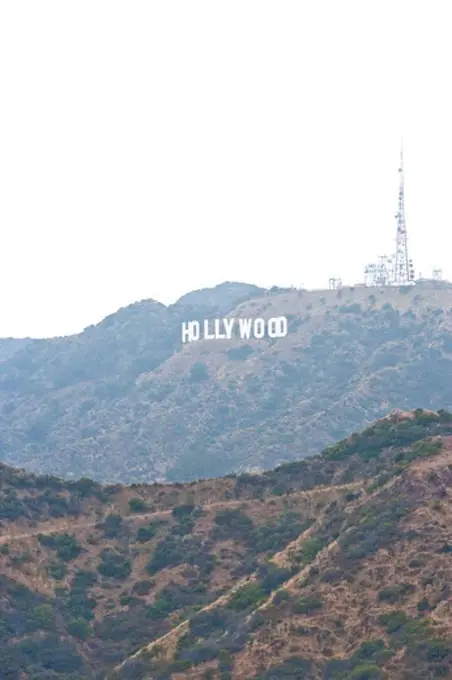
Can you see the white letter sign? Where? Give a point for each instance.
(277, 327)
(222, 329)
(245, 328)
(259, 328)
(207, 335)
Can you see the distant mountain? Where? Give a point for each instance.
(127, 401)
(219, 300)
(336, 567)
(9, 346)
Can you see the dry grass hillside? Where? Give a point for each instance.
(336, 567)
(126, 401)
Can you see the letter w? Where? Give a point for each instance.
(245, 328)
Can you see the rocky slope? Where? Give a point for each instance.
(127, 401)
(337, 567)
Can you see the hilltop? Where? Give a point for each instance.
(126, 401)
(335, 567)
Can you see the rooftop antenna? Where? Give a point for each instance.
(437, 274)
(403, 268)
(334, 283)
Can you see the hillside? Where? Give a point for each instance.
(336, 567)
(126, 401)
(9, 346)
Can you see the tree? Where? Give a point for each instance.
(199, 372)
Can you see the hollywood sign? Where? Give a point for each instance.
(226, 329)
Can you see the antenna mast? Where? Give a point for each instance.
(403, 269)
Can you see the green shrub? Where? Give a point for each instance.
(112, 525)
(83, 579)
(232, 523)
(307, 605)
(65, 545)
(282, 595)
(138, 505)
(114, 565)
(365, 672)
(373, 526)
(159, 610)
(86, 487)
(43, 615)
(277, 534)
(129, 601)
(250, 595)
(423, 605)
(79, 628)
(57, 570)
(146, 533)
(309, 549)
(271, 576)
(405, 628)
(174, 550)
(395, 593)
(294, 667)
(351, 495)
(206, 623)
(182, 511)
(437, 650)
(142, 587)
(351, 309)
(240, 353)
(199, 372)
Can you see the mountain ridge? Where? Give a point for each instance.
(335, 567)
(126, 401)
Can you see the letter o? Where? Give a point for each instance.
(259, 328)
(277, 327)
(272, 328)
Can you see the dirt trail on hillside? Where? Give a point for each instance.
(67, 525)
(174, 634)
(71, 526)
(7, 538)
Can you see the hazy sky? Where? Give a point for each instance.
(151, 148)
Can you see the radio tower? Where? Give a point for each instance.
(403, 268)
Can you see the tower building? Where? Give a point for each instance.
(403, 266)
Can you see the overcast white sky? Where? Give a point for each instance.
(151, 148)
